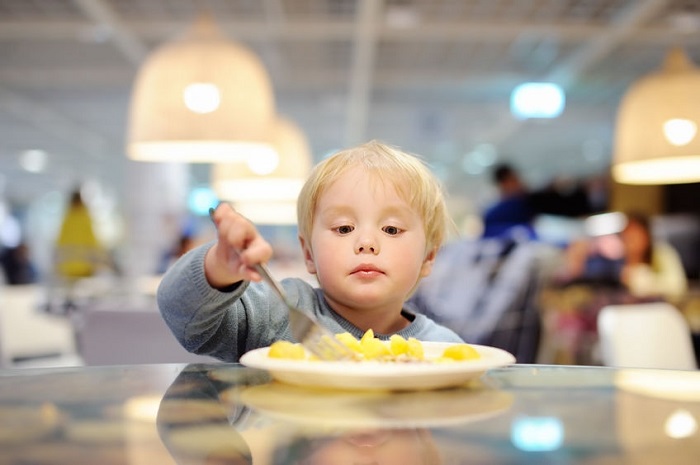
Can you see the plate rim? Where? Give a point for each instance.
(497, 357)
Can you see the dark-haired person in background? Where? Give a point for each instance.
(512, 216)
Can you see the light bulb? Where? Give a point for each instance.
(202, 97)
(679, 131)
(264, 162)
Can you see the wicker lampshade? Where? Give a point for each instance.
(200, 99)
(656, 135)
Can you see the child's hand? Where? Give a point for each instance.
(239, 247)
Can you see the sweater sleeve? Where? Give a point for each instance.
(211, 322)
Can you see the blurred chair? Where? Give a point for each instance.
(119, 336)
(27, 334)
(487, 291)
(647, 335)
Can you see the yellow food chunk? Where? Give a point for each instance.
(369, 334)
(374, 348)
(461, 352)
(287, 350)
(350, 341)
(398, 345)
(415, 348)
(368, 347)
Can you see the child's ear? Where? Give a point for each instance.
(427, 266)
(308, 256)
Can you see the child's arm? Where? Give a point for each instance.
(238, 248)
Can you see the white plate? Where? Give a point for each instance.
(380, 375)
(330, 409)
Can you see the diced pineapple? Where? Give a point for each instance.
(369, 334)
(461, 352)
(350, 341)
(287, 350)
(415, 348)
(398, 345)
(374, 348)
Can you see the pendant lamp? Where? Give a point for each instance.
(266, 193)
(657, 138)
(200, 99)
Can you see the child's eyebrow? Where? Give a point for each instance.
(398, 210)
(389, 210)
(336, 210)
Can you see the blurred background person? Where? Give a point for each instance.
(513, 214)
(633, 259)
(185, 242)
(620, 262)
(17, 265)
(78, 254)
(652, 267)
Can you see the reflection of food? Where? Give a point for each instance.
(96, 431)
(178, 411)
(210, 441)
(27, 422)
(372, 409)
(397, 349)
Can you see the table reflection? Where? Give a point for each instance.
(218, 415)
(229, 414)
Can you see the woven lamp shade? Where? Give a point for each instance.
(656, 134)
(163, 127)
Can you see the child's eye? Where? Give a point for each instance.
(344, 229)
(391, 230)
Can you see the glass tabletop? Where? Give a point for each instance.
(230, 414)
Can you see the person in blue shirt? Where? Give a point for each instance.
(513, 215)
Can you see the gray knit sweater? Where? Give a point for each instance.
(225, 325)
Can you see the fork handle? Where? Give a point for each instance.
(262, 270)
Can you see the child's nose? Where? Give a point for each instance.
(366, 245)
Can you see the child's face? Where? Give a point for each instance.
(400, 447)
(367, 245)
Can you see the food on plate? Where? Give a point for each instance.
(461, 352)
(287, 350)
(368, 347)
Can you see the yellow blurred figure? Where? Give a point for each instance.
(77, 249)
(77, 255)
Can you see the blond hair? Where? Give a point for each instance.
(412, 179)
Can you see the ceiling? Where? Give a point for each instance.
(431, 76)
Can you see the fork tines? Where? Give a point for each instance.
(324, 345)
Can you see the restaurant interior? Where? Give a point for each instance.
(565, 136)
(465, 84)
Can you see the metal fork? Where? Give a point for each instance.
(305, 328)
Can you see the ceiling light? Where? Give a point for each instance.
(537, 100)
(33, 161)
(656, 137)
(200, 99)
(267, 198)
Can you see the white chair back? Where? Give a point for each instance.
(648, 335)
